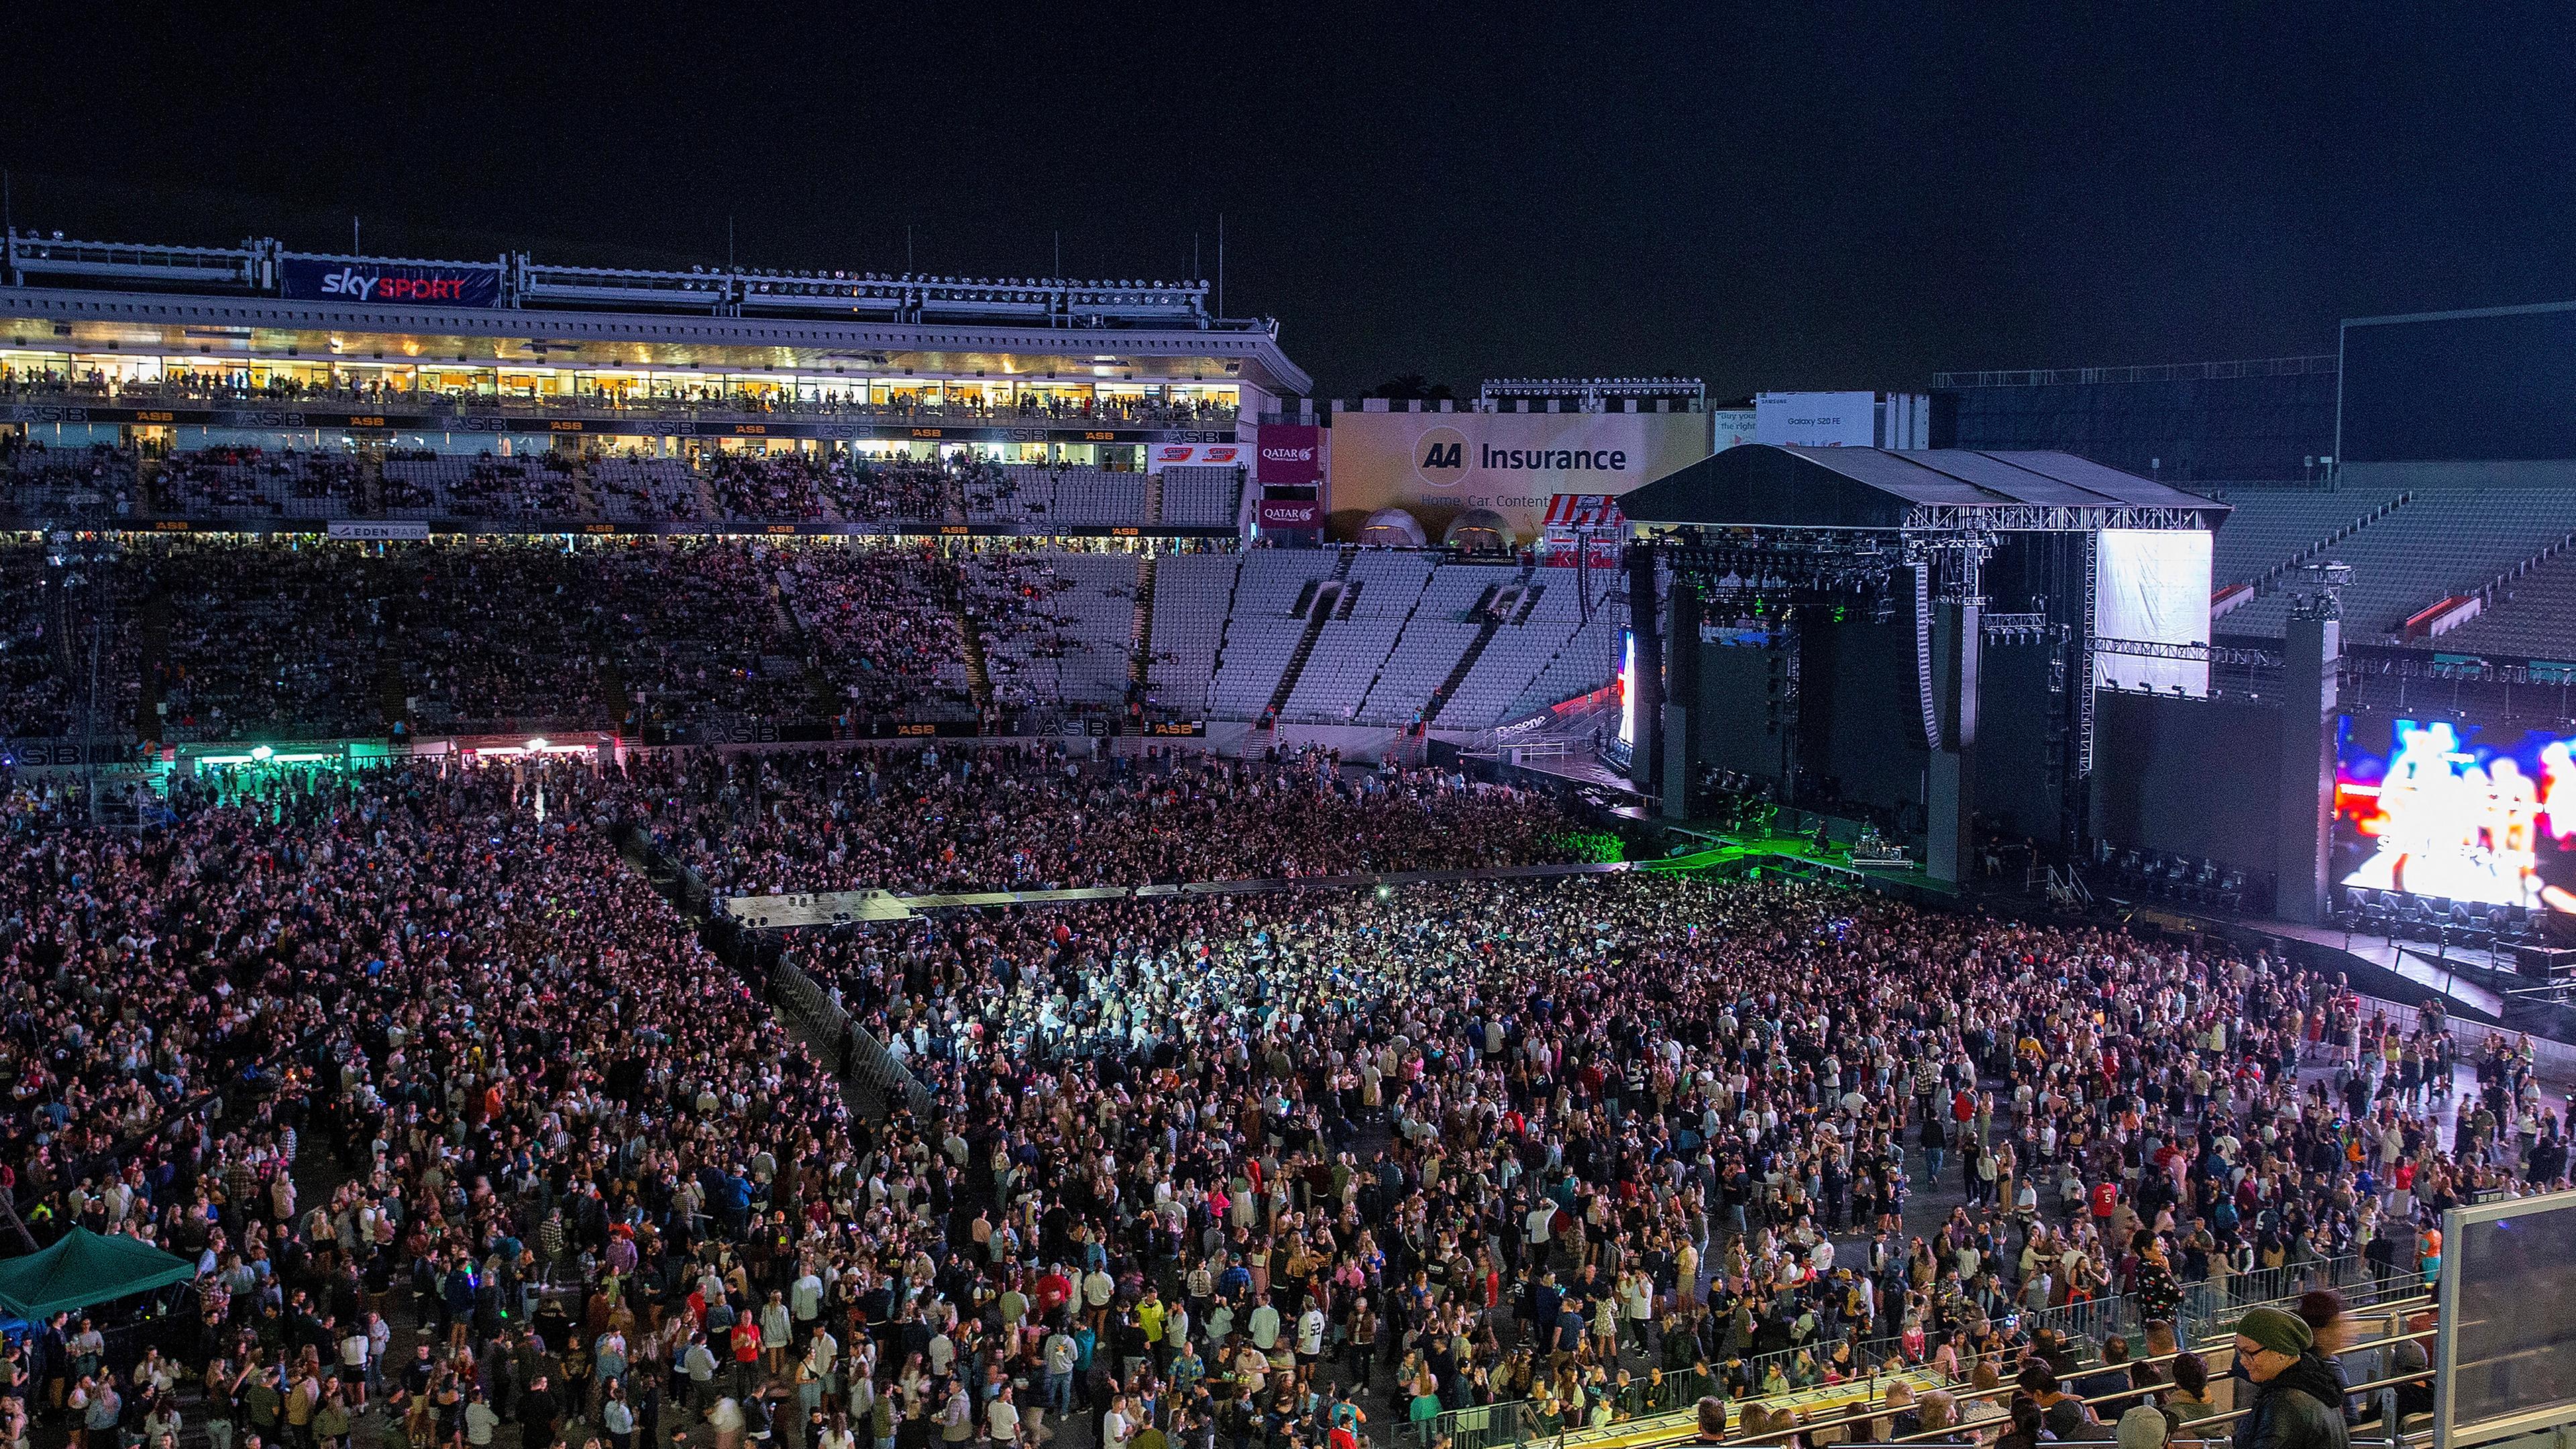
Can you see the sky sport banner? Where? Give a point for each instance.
(392, 283)
(1197, 455)
(1436, 466)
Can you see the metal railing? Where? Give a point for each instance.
(722, 408)
(2165, 372)
(2202, 1316)
(864, 1058)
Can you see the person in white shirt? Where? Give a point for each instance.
(1002, 1419)
(1265, 1327)
(1310, 1333)
(353, 1365)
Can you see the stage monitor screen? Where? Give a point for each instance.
(1628, 690)
(2482, 815)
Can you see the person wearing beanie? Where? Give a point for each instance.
(2143, 1427)
(2297, 1403)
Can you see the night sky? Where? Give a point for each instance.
(1838, 196)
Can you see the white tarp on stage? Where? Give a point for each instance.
(2152, 585)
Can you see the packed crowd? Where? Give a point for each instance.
(472, 1142)
(39, 480)
(1651, 1126)
(267, 642)
(1029, 818)
(373, 390)
(417, 1047)
(316, 640)
(255, 481)
(35, 695)
(883, 622)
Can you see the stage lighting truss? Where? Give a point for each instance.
(1736, 565)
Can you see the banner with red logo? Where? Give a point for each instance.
(1160, 456)
(1291, 454)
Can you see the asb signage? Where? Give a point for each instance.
(1196, 455)
(1291, 455)
(394, 283)
(1437, 466)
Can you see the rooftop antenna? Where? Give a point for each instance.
(907, 246)
(354, 249)
(1220, 264)
(728, 241)
(1059, 252)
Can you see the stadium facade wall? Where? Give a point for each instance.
(2176, 430)
(2441, 387)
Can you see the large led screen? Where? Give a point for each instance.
(2442, 808)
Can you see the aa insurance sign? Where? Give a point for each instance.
(1439, 465)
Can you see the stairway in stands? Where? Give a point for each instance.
(979, 680)
(1503, 601)
(371, 482)
(1320, 601)
(1153, 498)
(1140, 654)
(152, 636)
(583, 498)
(709, 506)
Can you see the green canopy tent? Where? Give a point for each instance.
(85, 1268)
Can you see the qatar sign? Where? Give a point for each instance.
(1290, 455)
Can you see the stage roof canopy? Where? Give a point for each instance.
(1756, 485)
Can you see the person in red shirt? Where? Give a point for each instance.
(746, 1355)
(2106, 1197)
(1053, 1288)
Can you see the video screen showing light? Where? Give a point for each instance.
(2441, 808)
(1628, 690)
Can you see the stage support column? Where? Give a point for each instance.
(1951, 787)
(1644, 760)
(2312, 650)
(1681, 697)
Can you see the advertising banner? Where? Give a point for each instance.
(1291, 513)
(1291, 455)
(1437, 466)
(1196, 455)
(1816, 419)
(397, 283)
(1728, 427)
(376, 529)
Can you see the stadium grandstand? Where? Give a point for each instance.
(435, 418)
(287, 382)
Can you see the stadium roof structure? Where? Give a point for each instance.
(262, 299)
(1757, 485)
